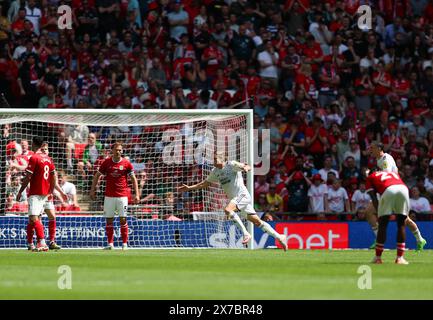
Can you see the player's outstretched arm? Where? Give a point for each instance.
(242, 166)
(201, 185)
(247, 167)
(94, 184)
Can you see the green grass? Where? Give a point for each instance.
(213, 274)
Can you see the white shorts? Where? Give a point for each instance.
(49, 205)
(37, 204)
(113, 205)
(395, 200)
(244, 204)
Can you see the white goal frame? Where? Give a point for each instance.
(248, 113)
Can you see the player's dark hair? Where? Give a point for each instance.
(38, 142)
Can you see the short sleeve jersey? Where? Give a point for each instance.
(386, 163)
(116, 176)
(380, 181)
(230, 178)
(41, 167)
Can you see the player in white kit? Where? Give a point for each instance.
(385, 162)
(229, 175)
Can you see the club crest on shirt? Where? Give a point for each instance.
(121, 168)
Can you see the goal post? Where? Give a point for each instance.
(167, 148)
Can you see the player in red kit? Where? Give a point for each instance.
(116, 170)
(41, 176)
(394, 199)
(49, 205)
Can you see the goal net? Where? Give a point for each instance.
(167, 149)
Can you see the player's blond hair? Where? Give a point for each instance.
(221, 156)
(116, 144)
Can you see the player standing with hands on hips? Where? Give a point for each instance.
(116, 170)
(228, 174)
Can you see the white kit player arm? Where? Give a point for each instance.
(201, 185)
(237, 166)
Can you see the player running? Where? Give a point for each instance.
(116, 170)
(385, 162)
(228, 174)
(394, 199)
(41, 176)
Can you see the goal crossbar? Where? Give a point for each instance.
(135, 118)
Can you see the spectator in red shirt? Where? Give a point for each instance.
(220, 79)
(428, 13)
(252, 80)
(383, 85)
(212, 57)
(117, 98)
(364, 89)
(18, 25)
(222, 97)
(401, 87)
(329, 81)
(313, 53)
(316, 141)
(305, 82)
(393, 143)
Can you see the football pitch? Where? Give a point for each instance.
(213, 274)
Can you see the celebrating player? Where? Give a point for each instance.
(228, 174)
(385, 162)
(116, 170)
(41, 176)
(394, 199)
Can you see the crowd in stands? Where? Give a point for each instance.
(323, 86)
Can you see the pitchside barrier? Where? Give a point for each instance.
(77, 231)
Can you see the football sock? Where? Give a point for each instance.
(234, 216)
(30, 232)
(379, 250)
(52, 229)
(400, 249)
(110, 232)
(124, 232)
(375, 229)
(266, 227)
(39, 228)
(417, 235)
